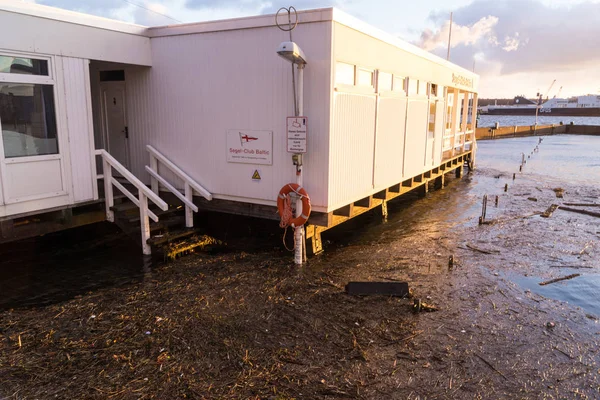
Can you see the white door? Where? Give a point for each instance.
(114, 121)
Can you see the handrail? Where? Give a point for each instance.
(172, 189)
(144, 193)
(132, 178)
(177, 171)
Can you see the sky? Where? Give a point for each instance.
(518, 47)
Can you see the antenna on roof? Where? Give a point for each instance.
(449, 38)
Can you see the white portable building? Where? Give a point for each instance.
(211, 99)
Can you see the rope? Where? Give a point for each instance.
(286, 217)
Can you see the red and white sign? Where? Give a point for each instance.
(250, 147)
(296, 134)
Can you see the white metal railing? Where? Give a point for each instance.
(189, 185)
(144, 193)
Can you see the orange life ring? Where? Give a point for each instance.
(299, 190)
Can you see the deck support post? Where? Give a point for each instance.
(189, 213)
(315, 241)
(384, 210)
(144, 223)
(439, 182)
(424, 189)
(459, 172)
(7, 228)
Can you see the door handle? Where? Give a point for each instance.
(126, 132)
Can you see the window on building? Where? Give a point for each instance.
(433, 90)
(27, 108)
(26, 66)
(384, 82)
(413, 87)
(399, 84)
(344, 73)
(364, 77)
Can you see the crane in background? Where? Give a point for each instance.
(540, 97)
(539, 103)
(558, 93)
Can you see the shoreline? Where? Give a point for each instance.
(490, 133)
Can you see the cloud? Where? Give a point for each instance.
(467, 35)
(528, 36)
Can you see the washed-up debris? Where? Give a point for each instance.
(578, 211)
(419, 305)
(470, 246)
(559, 192)
(451, 262)
(582, 204)
(397, 289)
(549, 211)
(562, 278)
(190, 245)
(532, 199)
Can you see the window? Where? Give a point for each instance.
(27, 108)
(364, 77)
(413, 87)
(433, 90)
(399, 84)
(18, 65)
(384, 82)
(344, 73)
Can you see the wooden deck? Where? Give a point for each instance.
(320, 222)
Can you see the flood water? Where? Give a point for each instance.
(54, 268)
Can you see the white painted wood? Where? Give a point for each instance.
(172, 189)
(76, 103)
(189, 211)
(153, 180)
(144, 223)
(111, 161)
(157, 156)
(109, 200)
(33, 180)
(131, 197)
(114, 120)
(416, 137)
(46, 30)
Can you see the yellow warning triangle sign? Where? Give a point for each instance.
(256, 175)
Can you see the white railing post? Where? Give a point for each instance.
(109, 200)
(153, 180)
(144, 223)
(189, 213)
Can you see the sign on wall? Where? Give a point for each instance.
(250, 147)
(296, 134)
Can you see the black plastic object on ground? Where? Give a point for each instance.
(377, 288)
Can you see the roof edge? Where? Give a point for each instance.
(257, 21)
(72, 17)
(348, 20)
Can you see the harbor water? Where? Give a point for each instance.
(486, 121)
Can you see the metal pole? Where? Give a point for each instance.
(299, 231)
(450, 39)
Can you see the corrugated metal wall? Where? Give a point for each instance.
(389, 150)
(202, 85)
(77, 107)
(351, 147)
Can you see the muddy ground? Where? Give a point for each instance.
(250, 325)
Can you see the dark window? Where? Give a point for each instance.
(109, 76)
(28, 119)
(19, 65)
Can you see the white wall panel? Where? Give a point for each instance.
(416, 137)
(439, 131)
(352, 143)
(389, 149)
(77, 108)
(202, 85)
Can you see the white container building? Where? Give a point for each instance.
(211, 99)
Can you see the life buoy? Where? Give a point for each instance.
(281, 206)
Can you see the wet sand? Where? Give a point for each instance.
(245, 325)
